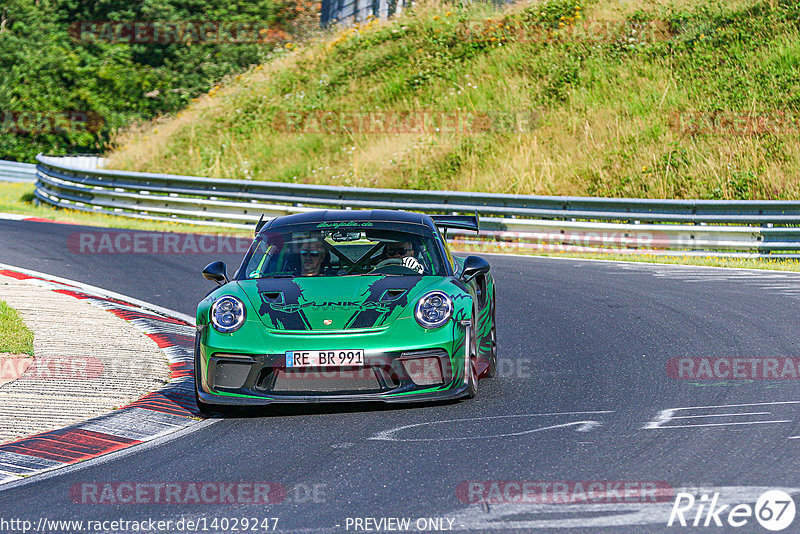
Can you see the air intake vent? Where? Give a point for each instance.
(272, 297)
(231, 374)
(392, 294)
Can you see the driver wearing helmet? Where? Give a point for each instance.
(403, 251)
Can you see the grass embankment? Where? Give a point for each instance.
(610, 97)
(15, 337)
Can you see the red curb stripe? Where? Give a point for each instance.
(85, 296)
(181, 374)
(169, 402)
(172, 340)
(165, 409)
(18, 276)
(179, 402)
(69, 292)
(42, 220)
(181, 369)
(70, 445)
(130, 315)
(160, 340)
(22, 276)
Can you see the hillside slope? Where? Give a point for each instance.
(605, 98)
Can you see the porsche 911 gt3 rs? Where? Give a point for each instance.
(334, 306)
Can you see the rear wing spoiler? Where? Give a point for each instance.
(463, 222)
(260, 224)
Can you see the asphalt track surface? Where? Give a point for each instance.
(574, 336)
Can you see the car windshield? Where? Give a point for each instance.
(344, 249)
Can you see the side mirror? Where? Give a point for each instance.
(473, 266)
(216, 272)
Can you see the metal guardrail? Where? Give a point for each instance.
(760, 226)
(350, 11)
(13, 171)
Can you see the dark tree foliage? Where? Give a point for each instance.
(66, 91)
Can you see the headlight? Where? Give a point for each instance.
(227, 314)
(433, 309)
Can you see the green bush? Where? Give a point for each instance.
(47, 69)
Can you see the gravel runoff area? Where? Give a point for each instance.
(87, 362)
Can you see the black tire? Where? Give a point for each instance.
(492, 371)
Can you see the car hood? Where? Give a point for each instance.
(330, 304)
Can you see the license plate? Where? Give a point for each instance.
(323, 358)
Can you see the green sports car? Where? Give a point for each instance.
(333, 306)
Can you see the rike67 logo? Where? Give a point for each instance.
(774, 510)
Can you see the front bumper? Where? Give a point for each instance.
(248, 367)
(417, 375)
